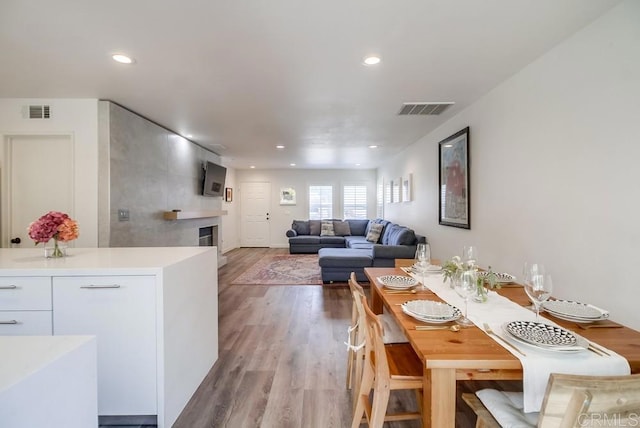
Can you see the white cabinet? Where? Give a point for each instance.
(25, 306)
(153, 311)
(121, 312)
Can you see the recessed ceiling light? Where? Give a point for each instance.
(189, 135)
(252, 167)
(123, 59)
(357, 164)
(292, 164)
(279, 146)
(373, 146)
(371, 60)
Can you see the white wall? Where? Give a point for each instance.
(281, 216)
(79, 119)
(230, 237)
(554, 157)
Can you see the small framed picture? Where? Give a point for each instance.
(228, 194)
(287, 196)
(406, 188)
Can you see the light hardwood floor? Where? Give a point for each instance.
(282, 358)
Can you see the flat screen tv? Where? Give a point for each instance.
(214, 176)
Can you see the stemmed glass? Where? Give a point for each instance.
(422, 261)
(538, 286)
(470, 256)
(465, 286)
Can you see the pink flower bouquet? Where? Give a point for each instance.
(53, 224)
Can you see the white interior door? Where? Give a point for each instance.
(255, 202)
(39, 173)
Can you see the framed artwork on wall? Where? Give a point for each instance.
(406, 188)
(228, 194)
(396, 189)
(287, 196)
(455, 191)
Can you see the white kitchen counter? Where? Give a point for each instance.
(153, 310)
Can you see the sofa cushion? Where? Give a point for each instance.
(374, 232)
(344, 257)
(301, 227)
(314, 227)
(399, 235)
(326, 228)
(389, 228)
(358, 227)
(324, 240)
(341, 228)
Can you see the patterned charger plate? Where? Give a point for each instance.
(397, 282)
(574, 311)
(541, 334)
(502, 278)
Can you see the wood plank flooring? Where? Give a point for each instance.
(282, 359)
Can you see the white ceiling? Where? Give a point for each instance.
(243, 76)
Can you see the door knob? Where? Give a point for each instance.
(16, 241)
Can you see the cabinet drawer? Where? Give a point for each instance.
(25, 323)
(25, 293)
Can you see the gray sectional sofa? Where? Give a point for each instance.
(348, 249)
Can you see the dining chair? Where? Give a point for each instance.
(355, 353)
(387, 367)
(569, 401)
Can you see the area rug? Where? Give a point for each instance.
(287, 269)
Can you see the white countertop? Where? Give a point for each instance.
(22, 356)
(138, 260)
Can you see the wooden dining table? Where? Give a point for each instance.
(470, 354)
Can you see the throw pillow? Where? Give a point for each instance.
(301, 227)
(341, 228)
(327, 229)
(374, 232)
(314, 227)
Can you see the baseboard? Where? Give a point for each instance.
(128, 420)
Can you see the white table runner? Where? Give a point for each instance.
(538, 364)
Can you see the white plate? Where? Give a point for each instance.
(456, 314)
(541, 334)
(574, 311)
(397, 282)
(430, 309)
(502, 278)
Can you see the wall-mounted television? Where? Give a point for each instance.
(214, 177)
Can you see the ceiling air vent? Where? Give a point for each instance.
(39, 112)
(423, 109)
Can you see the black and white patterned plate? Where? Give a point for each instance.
(541, 334)
(574, 311)
(430, 311)
(397, 282)
(502, 278)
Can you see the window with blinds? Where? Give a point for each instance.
(354, 201)
(320, 202)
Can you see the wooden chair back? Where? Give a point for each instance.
(578, 401)
(356, 336)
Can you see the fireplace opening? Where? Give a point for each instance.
(208, 236)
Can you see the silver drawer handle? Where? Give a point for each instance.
(100, 286)
(8, 287)
(9, 322)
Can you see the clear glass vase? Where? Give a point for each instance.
(481, 292)
(54, 250)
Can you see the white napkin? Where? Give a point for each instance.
(538, 363)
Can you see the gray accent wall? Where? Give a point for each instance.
(147, 169)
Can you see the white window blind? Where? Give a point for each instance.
(320, 202)
(354, 201)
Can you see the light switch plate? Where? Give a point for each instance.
(123, 215)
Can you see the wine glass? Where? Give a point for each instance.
(465, 286)
(422, 261)
(538, 287)
(470, 256)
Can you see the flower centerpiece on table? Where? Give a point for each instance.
(54, 225)
(451, 269)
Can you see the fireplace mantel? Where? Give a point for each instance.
(183, 215)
